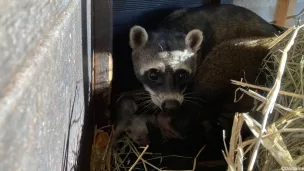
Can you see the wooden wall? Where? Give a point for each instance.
(45, 76)
(268, 8)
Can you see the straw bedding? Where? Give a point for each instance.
(278, 141)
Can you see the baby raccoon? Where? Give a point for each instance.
(135, 125)
(130, 123)
(167, 59)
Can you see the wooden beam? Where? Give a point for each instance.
(102, 25)
(281, 13)
(102, 61)
(291, 12)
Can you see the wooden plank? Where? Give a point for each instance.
(291, 12)
(281, 13)
(86, 140)
(102, 44)
(102, 61)
(42, 88)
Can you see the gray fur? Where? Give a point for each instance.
(150, 54)
(179, 36)
(179, 52)
(138, 37)
(194, 40)
(234, 59)
(133, 120)
(137, 130)
(130, 123)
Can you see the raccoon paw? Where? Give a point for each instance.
(164, 123)
(170, 133)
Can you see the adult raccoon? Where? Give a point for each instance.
(212, 93)
(166, 60)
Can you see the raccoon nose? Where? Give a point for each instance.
(170, 105)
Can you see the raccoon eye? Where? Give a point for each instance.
(182, 75)
(153, 74)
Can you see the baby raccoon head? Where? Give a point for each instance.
(137, 130)
(165, 62)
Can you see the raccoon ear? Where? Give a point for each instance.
(194, 40)
(138, 37)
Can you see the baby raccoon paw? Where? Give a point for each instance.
(170, 133)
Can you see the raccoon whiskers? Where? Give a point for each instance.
(145, 102)
(141, 94)
(152, 107)
(156, 110)
(195, 98)
(138, 99)
(148, 107)
(188, 97)
(192, 102)
(185, 94)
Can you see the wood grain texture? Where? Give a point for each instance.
(41, 82)
(281, 12)
(102, 44)
(23, 25)
(102, 35)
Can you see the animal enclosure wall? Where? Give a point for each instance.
(267, 9)
(45, 69)
(45, 74)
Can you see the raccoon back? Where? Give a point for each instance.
(219, 23)
(234, 59)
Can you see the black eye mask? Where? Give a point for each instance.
(181, 76)
(153, 75)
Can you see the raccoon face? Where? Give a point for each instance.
(165, 63)
(137, 130)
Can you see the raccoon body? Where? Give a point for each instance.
(164, 133)
(218, 23)
(130, 123)
(231, 60)
(168, 59)
(136, 121)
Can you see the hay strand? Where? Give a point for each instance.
(273, 143)
(139, 158)
(273, 95)
(239, 83)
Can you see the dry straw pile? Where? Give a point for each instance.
(128, 158)
(278, 140)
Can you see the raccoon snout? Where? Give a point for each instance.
(170, 105)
